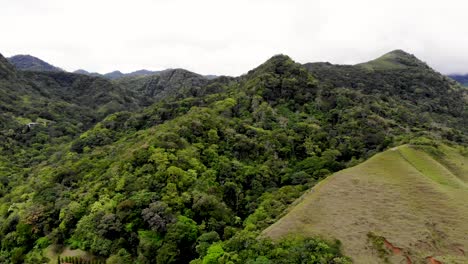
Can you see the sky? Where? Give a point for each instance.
(231, 37)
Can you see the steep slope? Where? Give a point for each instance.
(406, 204)
(30, 63)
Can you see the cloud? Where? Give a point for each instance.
(231, 37)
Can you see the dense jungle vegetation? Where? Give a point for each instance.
(176, 168)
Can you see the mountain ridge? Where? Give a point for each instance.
(31, 63)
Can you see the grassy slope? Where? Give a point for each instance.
(415, 200)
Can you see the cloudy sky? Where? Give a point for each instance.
(231, 37)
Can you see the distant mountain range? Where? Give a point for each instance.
(31, 63)
(463, 79)
(117, 74)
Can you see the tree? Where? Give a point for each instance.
(158, 215)
(214, 253)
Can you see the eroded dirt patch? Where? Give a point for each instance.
(432, 260)
(397, 250)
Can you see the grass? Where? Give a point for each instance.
(423, 162)
(389, 61)
(52, 252)
(415, 200)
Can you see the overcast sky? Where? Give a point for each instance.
(231, 37)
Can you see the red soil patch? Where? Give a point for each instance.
(398, 251)
(432, 260)
(408, 260)
(395, 250)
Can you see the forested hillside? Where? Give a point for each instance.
(197, 174)
(41, 111)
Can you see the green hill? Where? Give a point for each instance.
(408, 202)
(397, 59)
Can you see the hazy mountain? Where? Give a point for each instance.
(84, 72)
(211, 76)
(141, 73)
(113, 75)
(463, 79)
(116, 74)
(30, 63)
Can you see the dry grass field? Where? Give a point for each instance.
(405, 205)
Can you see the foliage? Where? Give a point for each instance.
(199, 173)
(246, 248)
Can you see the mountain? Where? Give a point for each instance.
(84, 72)
(402, 77)
(210, 76)
(141, 73)
(197, 174)
(397, 59)
(114, 75)
(172, 83)
(30, 63)
(42, 109)
(463, 79)
(406, 204)
(117, 74)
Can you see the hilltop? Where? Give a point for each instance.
(30, 63)
(397, 59)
